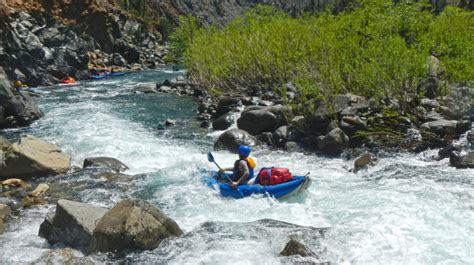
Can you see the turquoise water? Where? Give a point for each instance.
(407, 209)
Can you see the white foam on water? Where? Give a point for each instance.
(406, 209)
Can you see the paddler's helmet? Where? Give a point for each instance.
(18, 84)
(244, 150)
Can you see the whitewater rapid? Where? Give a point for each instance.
(407, 209)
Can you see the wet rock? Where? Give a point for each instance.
(294, 247)
(447, 151)
(462, 161)
(133, 225)
(266, 137)
(72, 224)
(13, 203)
(293, 147)
(280, 136)
(463, 126)
(169, 123)
(149, 88)
(257, 121)
(105, 162)
(32, 157)
(351, 124)
(118, 60)
(441, 127)
(226, 104)
(4, 213)
(223, 122)
(364, 161)
(30, 201)
(17, 109)
(232, 139)
(334, 142)
(64, 256)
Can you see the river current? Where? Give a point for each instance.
(407, 209)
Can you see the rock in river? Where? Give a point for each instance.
(231, 139)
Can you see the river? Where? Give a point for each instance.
(407, 209)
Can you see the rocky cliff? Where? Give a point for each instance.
(42, 40)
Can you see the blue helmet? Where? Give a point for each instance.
(244, 150)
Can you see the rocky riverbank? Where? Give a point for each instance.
(332, 127)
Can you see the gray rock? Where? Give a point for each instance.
(118, 59)
(433, 116)
(266, 137)
(149, 88)
(293, 147)
(105, 162)
(429, 103)
(429, 87)
(280, 136)
(257, 121)
(462, 161)
(441, 127)
(334, 142)
(169, 123)
(470, 137)
(133, 225)
(223, 122)
(447, 151)
(73, 224)
(4, 213)
(19, 106)
(32, 157)
(463, 126)
(232, 139)
(294, 247)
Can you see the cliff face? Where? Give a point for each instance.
(40, 41)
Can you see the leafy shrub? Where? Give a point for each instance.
(376, 49)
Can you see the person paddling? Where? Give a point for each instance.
(243, 168)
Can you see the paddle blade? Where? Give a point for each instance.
(210, 157)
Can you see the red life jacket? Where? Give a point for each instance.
(274, 175)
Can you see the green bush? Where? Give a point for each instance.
(376, 49)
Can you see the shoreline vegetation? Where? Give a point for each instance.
(376, 49)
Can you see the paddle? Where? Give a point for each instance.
(211, 159)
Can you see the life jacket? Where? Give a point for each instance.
(251, 165)
(273, 176)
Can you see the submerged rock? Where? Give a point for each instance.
(32, 157)
(232, 139)
(105, 162)
(133, 225)
(4, 213)
(149, 88)
(294, 247)
(462, 161)
(72, 224)
(363, 161)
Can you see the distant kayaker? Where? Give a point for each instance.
(243, 168)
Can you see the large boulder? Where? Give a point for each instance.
(105, 162)
(441, 127)
(334, 142)
(17, 108)
(223, 122)
(32, 157)
(462, 161)
(232, 139)
(72, 224)
(133, 224)
(257, 121)
(149, 88)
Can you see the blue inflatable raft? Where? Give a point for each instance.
(279, 191)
